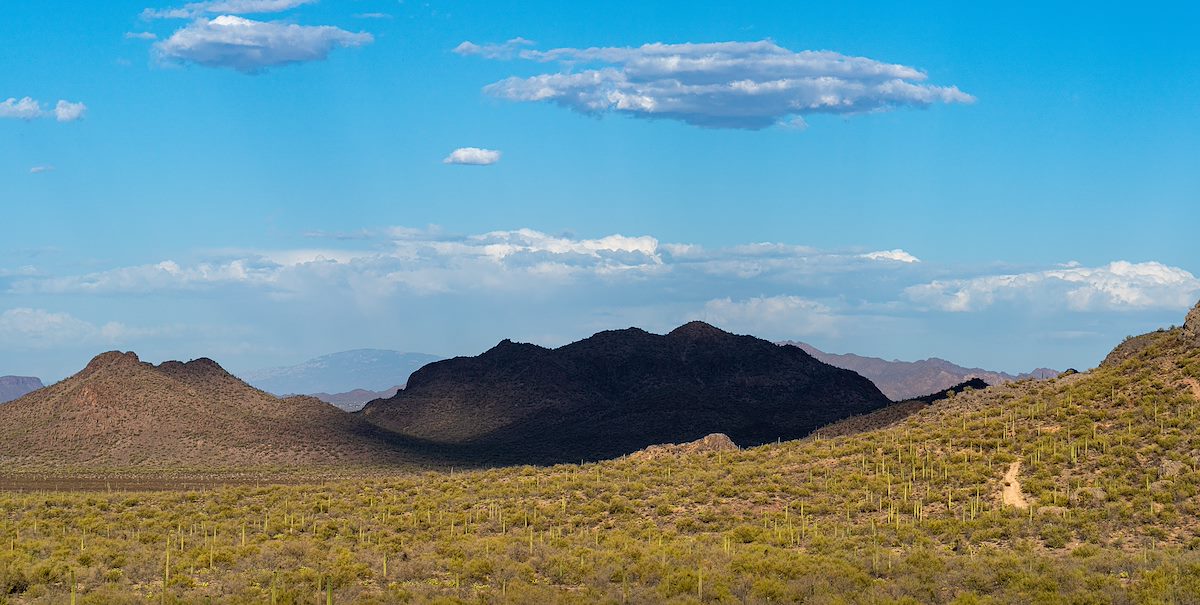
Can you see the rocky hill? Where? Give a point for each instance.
(619, 391)
(121, 412)
(12, 387)
(901, 380)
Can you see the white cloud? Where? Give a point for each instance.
(252, 46)
(424, 261)
(29, 109)
(472, 156)
(40, 169)
(897, 255)
(224, 7)
(748, 85)
(772, 316)
(141, 36)
(1117, 286)
(372, 16)
(507, 50)
(66, 111)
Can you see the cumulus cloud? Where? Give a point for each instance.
(141, 36)
(252, 46)
(224, 7)
(27, 108)
(748, 85)
(1117, 286)
(66, 111)
(897, 255)
(774, 316)
(472, 156)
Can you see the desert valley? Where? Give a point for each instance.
(789, 480)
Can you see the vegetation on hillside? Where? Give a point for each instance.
(909, 513)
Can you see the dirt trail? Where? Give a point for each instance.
(1192, 382)
(1011, 493)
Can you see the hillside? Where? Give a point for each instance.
(121, 412)
(1079, 489)
(367, 369)
(620, 391)
(12, 387)
(901, 380)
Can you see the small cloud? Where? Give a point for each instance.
(30, 109)
(897, 255)
(66, 111)
(40, 169)
(140, 36)
(372, 16)
(23, 109)
(252, 46)
(472, 156)
(507, 50)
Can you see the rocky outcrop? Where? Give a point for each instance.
(716, 442)
(1191, 326)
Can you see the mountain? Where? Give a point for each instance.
(12, 387)
(901, 380)
(121, 412)
(619, 391)
(368, 369)
(352, 401)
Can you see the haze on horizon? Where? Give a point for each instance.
(266, 182)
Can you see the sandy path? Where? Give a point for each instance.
(1011, 494)
(1191, 382)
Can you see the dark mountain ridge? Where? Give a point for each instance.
(619, 391)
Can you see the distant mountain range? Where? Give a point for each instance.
(12, 387)
(619, 391)
(121, 412)
(353, 401)
(901, 380)
(340, 373)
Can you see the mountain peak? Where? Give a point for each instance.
(111, 358)
(694, 330)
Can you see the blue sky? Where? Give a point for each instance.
(1030, 171)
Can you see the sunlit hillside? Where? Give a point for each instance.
(1101, 507)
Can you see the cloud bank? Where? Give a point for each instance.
(746, 85)
(252, 46)
(1117, 286)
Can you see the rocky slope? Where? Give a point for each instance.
(901, 380)
(121, 412)
(12, 387)
(619, 391)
